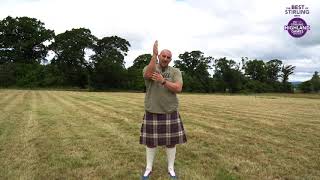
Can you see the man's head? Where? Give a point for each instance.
(165, 57)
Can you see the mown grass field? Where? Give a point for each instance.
(95, 135)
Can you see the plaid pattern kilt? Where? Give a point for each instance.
(162, 129)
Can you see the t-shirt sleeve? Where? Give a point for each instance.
(177, 76)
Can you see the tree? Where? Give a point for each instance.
(194, 66)
(108, 63)
(22, 48)
(135, 76)
(305, 87)
(315, 82)
(287, 70)
(227, 75)
(255, 70)
(70, 49)
(273, 69)
(22, 40)
(7, 75)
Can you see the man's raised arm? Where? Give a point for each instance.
(151, 68)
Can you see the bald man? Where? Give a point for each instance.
(161, 125)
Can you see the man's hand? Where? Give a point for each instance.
(157, 77)
(155, 48)
(148, 74)
(174, 87)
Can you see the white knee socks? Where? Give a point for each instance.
(171, 155)
(150, 153)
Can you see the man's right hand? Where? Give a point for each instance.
(155, 48)
(152, 65)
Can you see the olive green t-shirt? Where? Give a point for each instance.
(158, 98)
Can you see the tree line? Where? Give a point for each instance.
(25, 44)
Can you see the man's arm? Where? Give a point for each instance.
(175, 87)
(151, 68)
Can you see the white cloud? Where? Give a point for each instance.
(231, 29)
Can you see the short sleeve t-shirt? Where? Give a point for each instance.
(159, 99)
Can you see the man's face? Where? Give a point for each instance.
(165, 58)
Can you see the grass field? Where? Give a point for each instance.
(90, 135)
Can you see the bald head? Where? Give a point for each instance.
(165, 57)
(166, 51)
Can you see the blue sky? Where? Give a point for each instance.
(232, 29)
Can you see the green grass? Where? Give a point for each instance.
(95, 135)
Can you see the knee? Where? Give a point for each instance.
(151, 146)
(170, 146)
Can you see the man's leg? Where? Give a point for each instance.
(150, 153)
(171, 155)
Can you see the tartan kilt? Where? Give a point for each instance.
(162, 129)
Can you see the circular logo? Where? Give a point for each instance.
(297, 27)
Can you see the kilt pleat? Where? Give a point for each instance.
(162, 129)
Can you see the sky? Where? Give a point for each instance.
(218, 28)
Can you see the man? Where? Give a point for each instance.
(161, 125)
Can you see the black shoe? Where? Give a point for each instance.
(146, 177)
(172, 177)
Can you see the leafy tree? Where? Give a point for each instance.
(315, 82)
(255, 86)
(7, 75)
(194, 66)
(287, 70)
(53, 76)
(29, 75)
(227, 75)
(305, 87)
(135, 76)
(108, 63)
(255, 70)
(70, 49)
(312, 85)
(273, 70)
(22, 40)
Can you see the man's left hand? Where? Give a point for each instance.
(157, 77)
